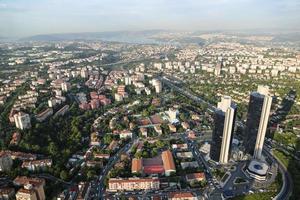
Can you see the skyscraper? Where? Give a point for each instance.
(257, 121)
(224, 119)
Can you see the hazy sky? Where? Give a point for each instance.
(30, 17)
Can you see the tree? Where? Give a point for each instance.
(52, 149)
(63, 175)
(91, 174)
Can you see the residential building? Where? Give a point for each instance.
(118, 97)
(37, 164)
(65, 86)
(131, 184)
(22, 120)
(157, 85)
(195, 177)
(182, 196)
(26, 194)
(33, 188)
(7, 193)
(5, 161)
(44, 115)
(62, 111)
(125, 134)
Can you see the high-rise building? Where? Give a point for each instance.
(22, 120)
(65, 86)
(218, 69)
(127, 80)
(158, 85)
(84, 73)
(257, 121)
(224, 119)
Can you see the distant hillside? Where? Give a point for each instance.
(289, 37)
(119, 36)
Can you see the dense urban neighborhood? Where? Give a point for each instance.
(91, 119)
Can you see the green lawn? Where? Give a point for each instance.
(282, 157)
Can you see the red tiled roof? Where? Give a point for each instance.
(137, 165)
(181, 195)
(168, 160)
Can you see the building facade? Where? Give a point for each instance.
(257, 121)
(131, 184)
(22, 120)
(224, 120)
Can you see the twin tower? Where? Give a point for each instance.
(256, 125)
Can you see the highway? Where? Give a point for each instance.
(186, 93)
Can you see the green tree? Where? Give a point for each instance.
(63, 175)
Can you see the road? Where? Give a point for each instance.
(186, 93)
(287, 187)
(213, 184)
(112, 161)
(125, 62)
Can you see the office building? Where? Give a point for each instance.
(224, 119)
(257, 121)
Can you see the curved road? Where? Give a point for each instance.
(287, 187)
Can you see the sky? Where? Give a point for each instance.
(20, 18)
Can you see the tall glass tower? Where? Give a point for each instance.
(224, 119)
(257, 121)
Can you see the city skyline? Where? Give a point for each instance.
(20, 18)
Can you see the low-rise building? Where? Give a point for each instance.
(5, 161)
(33, 188)
(185, 125)
(172, 128)
(44, 115)
(101, 155)
(26, 194)
(168, 162)
(144, 131)
(125, 134)
(62, 111)
(195, 177)
(180, 146)
(37, 164)
(131, 184)
(182, 196)
(7, 193)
